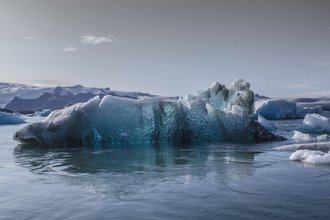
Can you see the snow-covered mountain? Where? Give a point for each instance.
(10, 90)
(26, 98)
(30, 98)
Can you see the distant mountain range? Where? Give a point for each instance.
(27, 99)
(10, 90)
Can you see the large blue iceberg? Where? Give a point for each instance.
(215, 115)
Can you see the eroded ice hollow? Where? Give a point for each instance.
(217, 114)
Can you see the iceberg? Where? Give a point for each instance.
(315, 124)
(273, 109)
(215, 115)
(10, 117)
(43, 113)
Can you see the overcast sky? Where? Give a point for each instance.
(167, 47)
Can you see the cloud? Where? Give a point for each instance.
(70, 49)
(28, 38)
(46, 26)
(295, 85)
(91, 39)
(323, 63)
(327, 28)
(46, 82)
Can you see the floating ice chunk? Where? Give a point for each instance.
(276, 109)
(266, 124)
(301, 146)
(282, 109)
(43, 113)
(315, 124)
(317, 121)
(111, 119)
(311, 157)
(297, 135)
(322, 137)
(11, 118)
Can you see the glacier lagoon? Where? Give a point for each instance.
(162, 181)
(194, 157)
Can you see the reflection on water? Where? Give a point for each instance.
(203, 181)
(134, 172)
(229, 161)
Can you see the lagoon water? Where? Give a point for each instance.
(202, 181)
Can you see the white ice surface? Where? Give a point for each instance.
(297, 135)
(309, 152)
(311, 157)
(303, 146)
(10, 90)
(317, 121)
(315, 124)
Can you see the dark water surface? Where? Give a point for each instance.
(203, 181)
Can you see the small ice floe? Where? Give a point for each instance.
(302, 146)
(297, 135)
(10, 117)
(315, 124)
(43, 113)
(311, 157)
(312, 153)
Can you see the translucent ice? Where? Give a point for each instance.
(10, 118)
(216, 114)
(266, 124)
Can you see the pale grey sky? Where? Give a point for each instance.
(167, 47)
